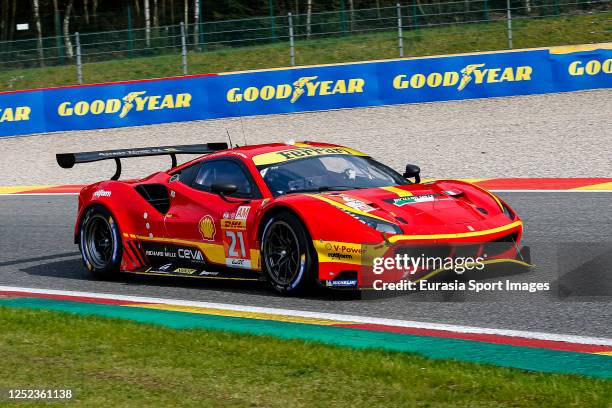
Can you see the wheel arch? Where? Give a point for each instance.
(275, 210)
(85, 210)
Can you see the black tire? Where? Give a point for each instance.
(288, 258)
(100, 243)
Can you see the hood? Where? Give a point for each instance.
(425, 208)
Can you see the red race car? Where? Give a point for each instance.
(293, 214)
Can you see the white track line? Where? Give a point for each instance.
(328, 316)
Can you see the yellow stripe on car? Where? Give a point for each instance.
(397, 238)
(396, 190)
(345, 207)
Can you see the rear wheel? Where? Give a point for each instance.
(100, 243)
(287, 256)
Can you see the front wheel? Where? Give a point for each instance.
(100, 243)
(287, 255)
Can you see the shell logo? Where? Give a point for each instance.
(207, 227)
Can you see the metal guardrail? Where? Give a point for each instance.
(404, 25)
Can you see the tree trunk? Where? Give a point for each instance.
(147, 14)
(186, 15)
(196, 22)
(308, 18)
(67, 40)
(378, 9)
(94, 12)
(420, 6)
(57, 24)
(13, 21)
(155, 14)
(137, 7)
(172, 12)
(39, 42)
(352, 13)
(528, 6)
(86, 11)
(4, 20)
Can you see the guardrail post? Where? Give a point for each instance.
(183, 48)
(400, 35)
(79, 65)
(291, 41)
(509, 24)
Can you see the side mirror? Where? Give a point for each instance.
(413, 171)
(223, 189)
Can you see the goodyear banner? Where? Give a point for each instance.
(200, 97)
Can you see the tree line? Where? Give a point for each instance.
(61, 18)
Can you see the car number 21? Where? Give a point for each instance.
(236, 243)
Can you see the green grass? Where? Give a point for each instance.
(120, 363)
(438, 40)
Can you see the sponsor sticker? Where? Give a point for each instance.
(356, 204)
(207, 228)
(300, 153)
(102, 193)
(243, 212)
(341, 283)
(186, 271)
(190, 254)
(160, 253)
(238, 263)
(413, 199)
(332, 251)
(208, 273)
(230, 224)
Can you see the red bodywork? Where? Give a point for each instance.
(201, 223)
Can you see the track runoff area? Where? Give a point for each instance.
(523, 349)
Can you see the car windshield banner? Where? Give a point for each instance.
(340, 86)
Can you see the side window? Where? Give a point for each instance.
(223, 171)
(187, 174)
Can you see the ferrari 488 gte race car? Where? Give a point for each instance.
(293, 214)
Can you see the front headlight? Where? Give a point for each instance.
(379, 225)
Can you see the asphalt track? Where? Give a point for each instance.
(569, 233)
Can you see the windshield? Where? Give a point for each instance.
(330, 172)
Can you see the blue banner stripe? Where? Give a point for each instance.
(304, 89)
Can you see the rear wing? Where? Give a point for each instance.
(68, 160)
